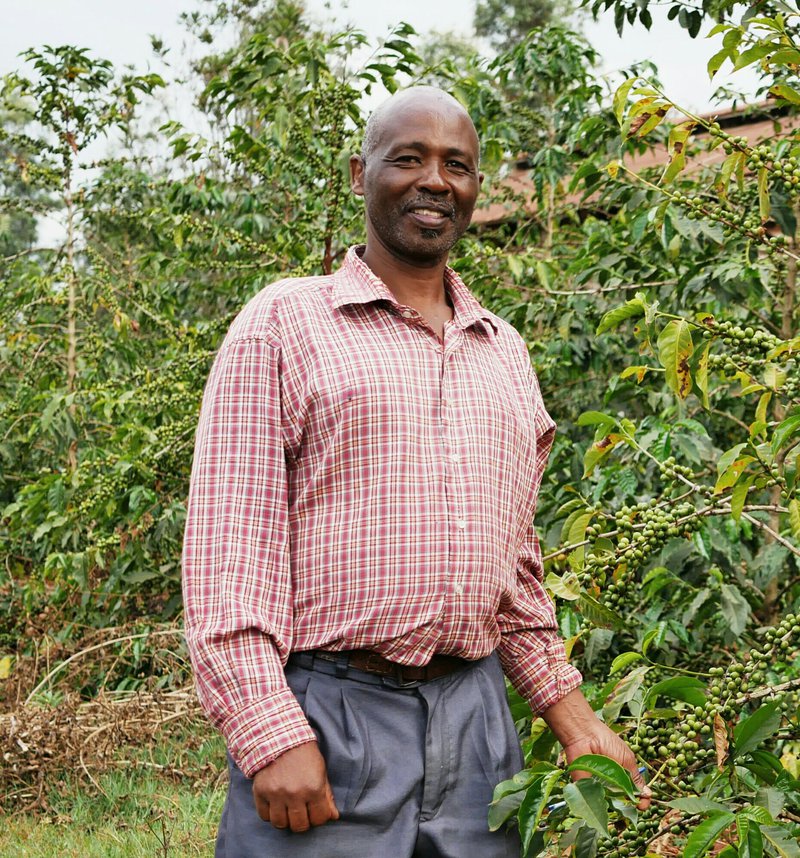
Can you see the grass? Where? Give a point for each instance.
(135, 813)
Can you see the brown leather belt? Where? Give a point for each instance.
(371, 662)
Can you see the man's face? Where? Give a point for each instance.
(420, 181)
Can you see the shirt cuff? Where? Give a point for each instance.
(541, 674)
(262, 731)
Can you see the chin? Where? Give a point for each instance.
(429, 247)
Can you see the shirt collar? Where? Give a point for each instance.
(355, 283)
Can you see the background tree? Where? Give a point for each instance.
(506, 23)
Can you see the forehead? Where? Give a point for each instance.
(433, 122)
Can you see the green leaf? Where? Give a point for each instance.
(675, 348)
(701, 375)
(621, 98)
(599, 450)
(607, 770)
(782, 90)
(786, 56)
(739, 496)
(675, 166)
(785, 431)
(533, 805)
(593, 418)
(729, 457)
(569, 507)
(751, 841)
(655, 637)
(772, 800)
(686, 688)
(750, 733)
(624, 660)
(613, 318)
(758, 814)
(587, 801)
(734, 608)
(731, 476)
(508, 796)
(784, 843)
(598, 613)
(697, 804)
(729, 166)
(717, 60)
(638, 371)
(753, 55)
(567, 587)
(50, 410)
(705, 835)
(586, 842)
(599, 641)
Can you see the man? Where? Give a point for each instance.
(359, 556)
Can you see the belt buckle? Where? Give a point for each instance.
(403, 683)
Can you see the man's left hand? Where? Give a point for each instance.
(580, 732)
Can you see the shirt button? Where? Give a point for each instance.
(459, 589)
(454, 457)
(461, 524)
(407, 314)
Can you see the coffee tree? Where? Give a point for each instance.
(677, 568)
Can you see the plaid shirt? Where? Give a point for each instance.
(359, 484)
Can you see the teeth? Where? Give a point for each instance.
(429, 212)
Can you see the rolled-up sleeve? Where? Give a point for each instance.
(531, 649)
(236, 573)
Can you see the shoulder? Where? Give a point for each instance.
(510, 342)
(284, 301)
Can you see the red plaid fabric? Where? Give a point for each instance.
(359, 484)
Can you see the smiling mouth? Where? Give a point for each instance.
(429, 217)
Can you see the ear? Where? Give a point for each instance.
(480, 178)
(357, 168)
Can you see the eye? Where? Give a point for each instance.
(459, 165)
(406, 159)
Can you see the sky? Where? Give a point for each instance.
(119, 30)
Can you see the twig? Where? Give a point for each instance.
(58, 668)
(774, 534)
(767, 691)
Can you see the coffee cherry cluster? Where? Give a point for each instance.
(671, 470)
(684, 744)
(634, 838)
(787, 170)
(676, 745)
(747, 225)
(640, 530)
(745, 339)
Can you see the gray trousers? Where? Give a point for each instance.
(412, 768)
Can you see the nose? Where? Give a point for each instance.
(433, 178)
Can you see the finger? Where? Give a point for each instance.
(644, 790)
(332, 802)
(277, 815)
(322, 810)
(298, 818)
(262, 808)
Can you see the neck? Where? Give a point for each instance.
(412, 285)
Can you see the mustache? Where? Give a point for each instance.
(422, 202)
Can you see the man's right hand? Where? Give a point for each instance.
(293, 790)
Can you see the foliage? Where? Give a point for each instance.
(660, 311)
(506, 23)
